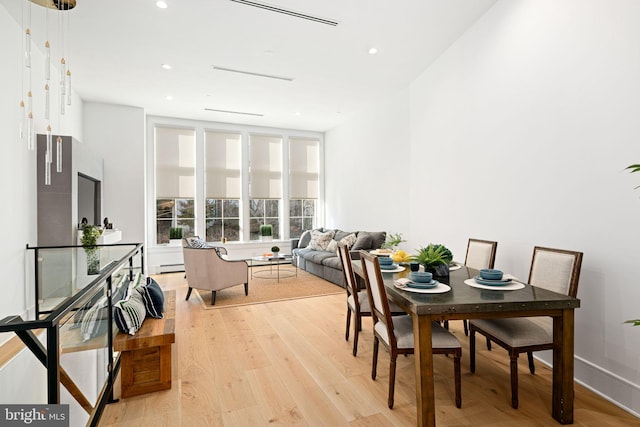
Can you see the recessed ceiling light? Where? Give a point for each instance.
(166, 66)
(168, 97)
(373, 51)
(162, 4)
(298, 113)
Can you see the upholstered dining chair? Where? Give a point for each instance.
(357, 300)
(480, 254)
(396, 332)
(556, 270)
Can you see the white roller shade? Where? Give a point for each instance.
(265, 167)
(175, 151)
(304, 168)
(223, 163)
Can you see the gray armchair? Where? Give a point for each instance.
(205, 268)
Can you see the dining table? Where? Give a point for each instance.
(463, 301)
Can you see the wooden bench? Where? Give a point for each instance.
(145, 358)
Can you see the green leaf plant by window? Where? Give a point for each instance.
(632, 169)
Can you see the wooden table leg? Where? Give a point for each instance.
(425, 397)
(563, 394)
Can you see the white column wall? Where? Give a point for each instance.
(520, 133)
(367, 180)
(116, 133)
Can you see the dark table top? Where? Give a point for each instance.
(462, 301)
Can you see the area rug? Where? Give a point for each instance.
(305, 285)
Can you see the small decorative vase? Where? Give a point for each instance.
(276, 254)
(93, 262)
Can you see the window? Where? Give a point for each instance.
(304, 178)
(265, 183)
(223, 184)
(175, 181)
(222, 181)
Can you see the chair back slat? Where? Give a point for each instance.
(556, 270)
(380, 310)
(480, 254)
(347, 270)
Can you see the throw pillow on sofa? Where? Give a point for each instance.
(349, 240)
(319, 240)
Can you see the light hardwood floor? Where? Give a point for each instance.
(287, 363)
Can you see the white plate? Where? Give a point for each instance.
(440, 289)
(377, 252)
(511, 287)
(455, 266)
(395, 270)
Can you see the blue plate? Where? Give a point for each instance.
(389, 267)
(492, 282)
(429, 285)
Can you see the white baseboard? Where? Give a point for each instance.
(606, 384)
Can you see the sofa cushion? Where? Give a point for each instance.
(363, 241)
(374, 240)
(333, 262)
(304, 240)
(319, 240)
(317, 257)
(342, 234)
(348, 239)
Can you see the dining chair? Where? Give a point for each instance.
(556, 270)
(480, 254)
(357, 300)
(396, 332)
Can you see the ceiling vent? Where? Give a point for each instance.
(252, 73)
(287, 12)
(234, 112)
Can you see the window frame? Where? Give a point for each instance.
(201, 127)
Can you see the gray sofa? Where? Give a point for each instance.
(326, 263)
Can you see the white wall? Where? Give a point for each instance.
(117, 134)
(367, 181)
(520, 133)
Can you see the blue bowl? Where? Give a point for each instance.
(490, 274)
(421, 276)
(385, 260)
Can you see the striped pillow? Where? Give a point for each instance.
(152, 297)
(94, 321)
(129, 313)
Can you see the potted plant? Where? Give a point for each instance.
(634, 168)
(434, 258)
(392, 241)
(275, 250)
(90, 236)
(266, 232)
(175, 235)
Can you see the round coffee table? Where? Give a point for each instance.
(273, 263)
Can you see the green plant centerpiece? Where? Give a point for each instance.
(175, 233)
(634, 168)
(266, 232)
(275, 250)
(89, 240)
(435, 258)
